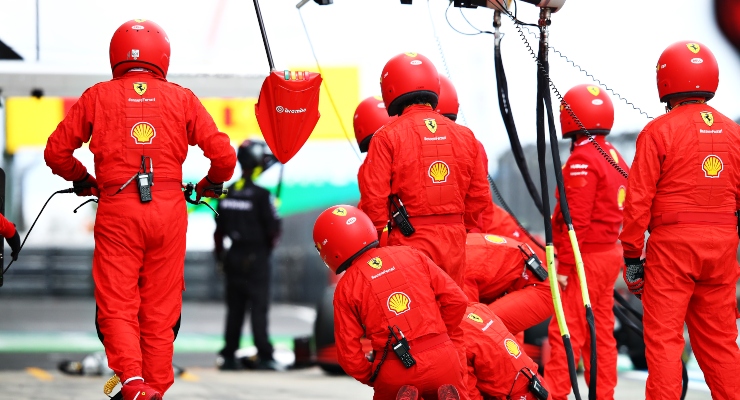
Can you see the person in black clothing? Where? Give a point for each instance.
(249, 219)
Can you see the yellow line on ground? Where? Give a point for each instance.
(39, 374)
(187, 376)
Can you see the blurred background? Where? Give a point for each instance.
(51, 51)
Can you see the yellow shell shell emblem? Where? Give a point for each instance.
(398, 302)
(411, 54)
(143, 132)
(340, 211)
(693, 47)
(375, 262)
(707, 117)
(614, 155)
(475, 317)
(438, 171)
(593, 90)
(621, 196)
(712, 166)
(512, 348)
(495, 239)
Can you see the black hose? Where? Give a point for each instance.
(70, 190)
(516, 146)
(264, 34)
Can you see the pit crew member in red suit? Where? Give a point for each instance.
(139, 123)
(683, 189)
(595, 192)
(389, 288)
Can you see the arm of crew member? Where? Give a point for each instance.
(74, 130)
(348, 330)
(216, 145)
(641, 188)
(478, 195)
(375, 181)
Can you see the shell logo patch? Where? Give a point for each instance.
(431, 124)
(410, 54)
(140, 88)
(475, 317)
(707, 117)
(614, 155)
(712, 166)
(693, 47)
(375, 262)
(593, 90)
(398, 302)
(340, 211)
(438, 171)
(512, 348)
(621, 196)
(495, 239)
(143, 133)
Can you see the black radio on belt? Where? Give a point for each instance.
(401, 348)
(535, 386)
(400, 216)
(533, 262)
(145, 180)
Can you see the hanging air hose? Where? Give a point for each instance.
(505, 107)
(626, 321)
(543, 90)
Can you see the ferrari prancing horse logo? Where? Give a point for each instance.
(375, 262)
(707, 117)
(431, 124)
(140, 88)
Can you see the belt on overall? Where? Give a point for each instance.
(443, 219)
(132, 187)
(696, 218)
(423, 343)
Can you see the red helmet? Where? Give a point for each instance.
(341, 233)
(448, 105)
(406, 75)
(687, 69)
(139, 43)
(592, 106)
(370, 116)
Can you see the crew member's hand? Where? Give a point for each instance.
(634, 275)
(208, 188)
(87, 186)
(563, 280)
(15, 245)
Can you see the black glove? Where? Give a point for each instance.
(15, 245)
(208, 188)
(86, 186)
(633, 274)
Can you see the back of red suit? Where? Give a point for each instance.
(133, 121)
(433, 165)
(496, 275)
(684, 189)
(399, 287)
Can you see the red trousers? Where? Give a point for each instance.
(434, 367)
(602, 270)
(138, 267)
(445, 245)
(690, 275)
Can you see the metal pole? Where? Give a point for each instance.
(264, 34)
(38, 52)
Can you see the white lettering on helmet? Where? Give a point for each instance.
(351, 221)
(415, 62)
(137, 27)
(697, 60)
(597, 102)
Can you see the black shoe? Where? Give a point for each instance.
(228, 364)
(267, 365)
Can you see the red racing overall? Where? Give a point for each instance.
(495, 358)
(399, 286)
(684, 189)
(139, 247)
(495, 274)
(596, 193)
